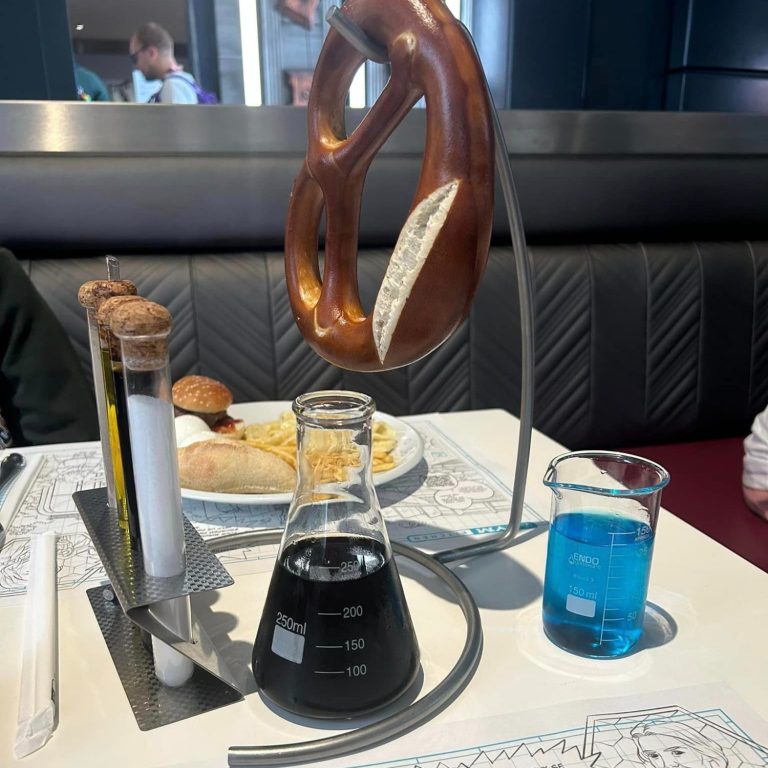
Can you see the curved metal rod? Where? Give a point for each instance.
(357, 37)
(394, 725)
(525, 295)
(420, 711)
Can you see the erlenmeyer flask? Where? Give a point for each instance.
(335, 638)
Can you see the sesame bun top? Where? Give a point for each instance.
(200, 394)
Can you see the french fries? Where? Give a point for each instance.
(278, 437)
(329, 453)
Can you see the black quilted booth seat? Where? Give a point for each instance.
(648, 239)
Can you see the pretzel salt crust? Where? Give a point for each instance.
(441, 253)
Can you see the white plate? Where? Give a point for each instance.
(408, 453)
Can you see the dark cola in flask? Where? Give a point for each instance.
(335, 638)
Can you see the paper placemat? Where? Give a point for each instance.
(448, 497)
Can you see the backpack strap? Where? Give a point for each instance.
(155, 98)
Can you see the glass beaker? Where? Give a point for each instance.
(604, 511)
(335, 638)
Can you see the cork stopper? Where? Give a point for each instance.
(107, 339)
(93, 293)
(143, 327)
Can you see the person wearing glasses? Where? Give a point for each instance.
(151, 51)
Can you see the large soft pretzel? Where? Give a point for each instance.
(442, 249)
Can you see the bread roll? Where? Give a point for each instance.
(229, 466)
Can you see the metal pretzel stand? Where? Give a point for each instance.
(456, 680)
(213, 684)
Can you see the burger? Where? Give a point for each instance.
(208, 461)
(208, 399)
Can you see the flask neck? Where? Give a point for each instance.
(334, 494)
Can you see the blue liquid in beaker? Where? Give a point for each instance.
(596, 582)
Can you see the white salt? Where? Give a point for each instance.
(161, 526)
(156, 476)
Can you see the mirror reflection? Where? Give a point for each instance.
(107, 66)
(675, 55)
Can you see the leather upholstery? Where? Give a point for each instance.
(635, 343)
(651, 309)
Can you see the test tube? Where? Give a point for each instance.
(113, 267)
(143, 328)
(91, 296)
(120, 443)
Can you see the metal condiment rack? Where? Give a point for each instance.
(124, 613)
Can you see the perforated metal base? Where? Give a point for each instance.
(212, 685)
(124, 566)
(153, 703)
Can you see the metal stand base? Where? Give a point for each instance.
(212, 685)
(406, 719)
(152, 703)
(459, 676)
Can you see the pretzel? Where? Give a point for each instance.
(440, 255)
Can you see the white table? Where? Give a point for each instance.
(718, 601)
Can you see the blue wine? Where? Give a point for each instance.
(596, 582)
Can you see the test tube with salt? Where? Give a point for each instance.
(143, 328)
(91, 296)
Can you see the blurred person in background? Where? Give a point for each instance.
(44, 394)
(151, 51)
(90, 87)
(754, 481)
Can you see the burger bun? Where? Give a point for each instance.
(201, 395)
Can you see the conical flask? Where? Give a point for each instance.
(335, 638)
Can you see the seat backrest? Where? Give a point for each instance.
(635, 343)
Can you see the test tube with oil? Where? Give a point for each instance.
(117, 416)
(92, 295)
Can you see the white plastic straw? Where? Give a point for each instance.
(38, 698)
